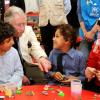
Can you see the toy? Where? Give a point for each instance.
(46, 87)
(30, 93)
(61, 94)
(8, 92)
(18, 92)
(44, 92)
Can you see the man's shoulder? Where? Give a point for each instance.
(28, 27)
(27, 31)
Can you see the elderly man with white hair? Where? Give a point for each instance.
(28, 46)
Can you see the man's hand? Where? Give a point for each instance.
(58, 76)
(25, 80)
(90, 73)
(98, 75)
(44, 64)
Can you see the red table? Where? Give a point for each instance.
(52, 94)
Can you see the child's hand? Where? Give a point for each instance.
(58, 76)
(68, 79)
(98, 75)
(90, 73)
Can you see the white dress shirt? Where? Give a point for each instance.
(34, 50)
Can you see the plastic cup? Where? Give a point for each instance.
(76, 89)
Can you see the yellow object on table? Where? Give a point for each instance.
(8, 92)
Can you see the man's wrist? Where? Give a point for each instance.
(43, 57)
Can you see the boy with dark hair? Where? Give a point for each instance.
(10, 65)
(66, 60)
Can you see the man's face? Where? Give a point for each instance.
(58, 40)
(6, 44)
(19, 22)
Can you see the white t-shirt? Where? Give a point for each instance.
(31, 6)
(11, 67)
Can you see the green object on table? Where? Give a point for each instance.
(18, 92)
(51, 88)
(61, 94)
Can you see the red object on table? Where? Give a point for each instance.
(52, 94)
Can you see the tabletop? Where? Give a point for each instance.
(39, 92)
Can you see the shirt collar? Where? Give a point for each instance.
(71, 52)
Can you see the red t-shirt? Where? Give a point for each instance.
(94, 60)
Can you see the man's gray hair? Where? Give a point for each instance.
(11, 12)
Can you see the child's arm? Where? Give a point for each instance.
(81, 68)
(18, 71)
(90, 71)
(53, 72)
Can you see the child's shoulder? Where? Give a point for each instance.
(54, 51)
(78, 53)
(13, 51)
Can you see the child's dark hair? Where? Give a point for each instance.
(68, 33)
(6, 31)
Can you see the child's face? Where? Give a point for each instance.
(58, 40)
(6, 44)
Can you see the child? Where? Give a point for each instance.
(10, 65)
(92, 71)
(73, 61)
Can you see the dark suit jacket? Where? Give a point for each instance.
(18, 3)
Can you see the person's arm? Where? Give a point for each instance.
(50, 72)
(36, 49)
(38, 53)
(67, 7)
(90, 71)
(79, 12)
(92, 59)
(18, 71)
(53, 73)
(88, 35)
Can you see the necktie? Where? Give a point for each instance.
(59, 62)
(16, 46)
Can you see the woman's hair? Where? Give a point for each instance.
(11, 13)
(68, 33)
(6, 31)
